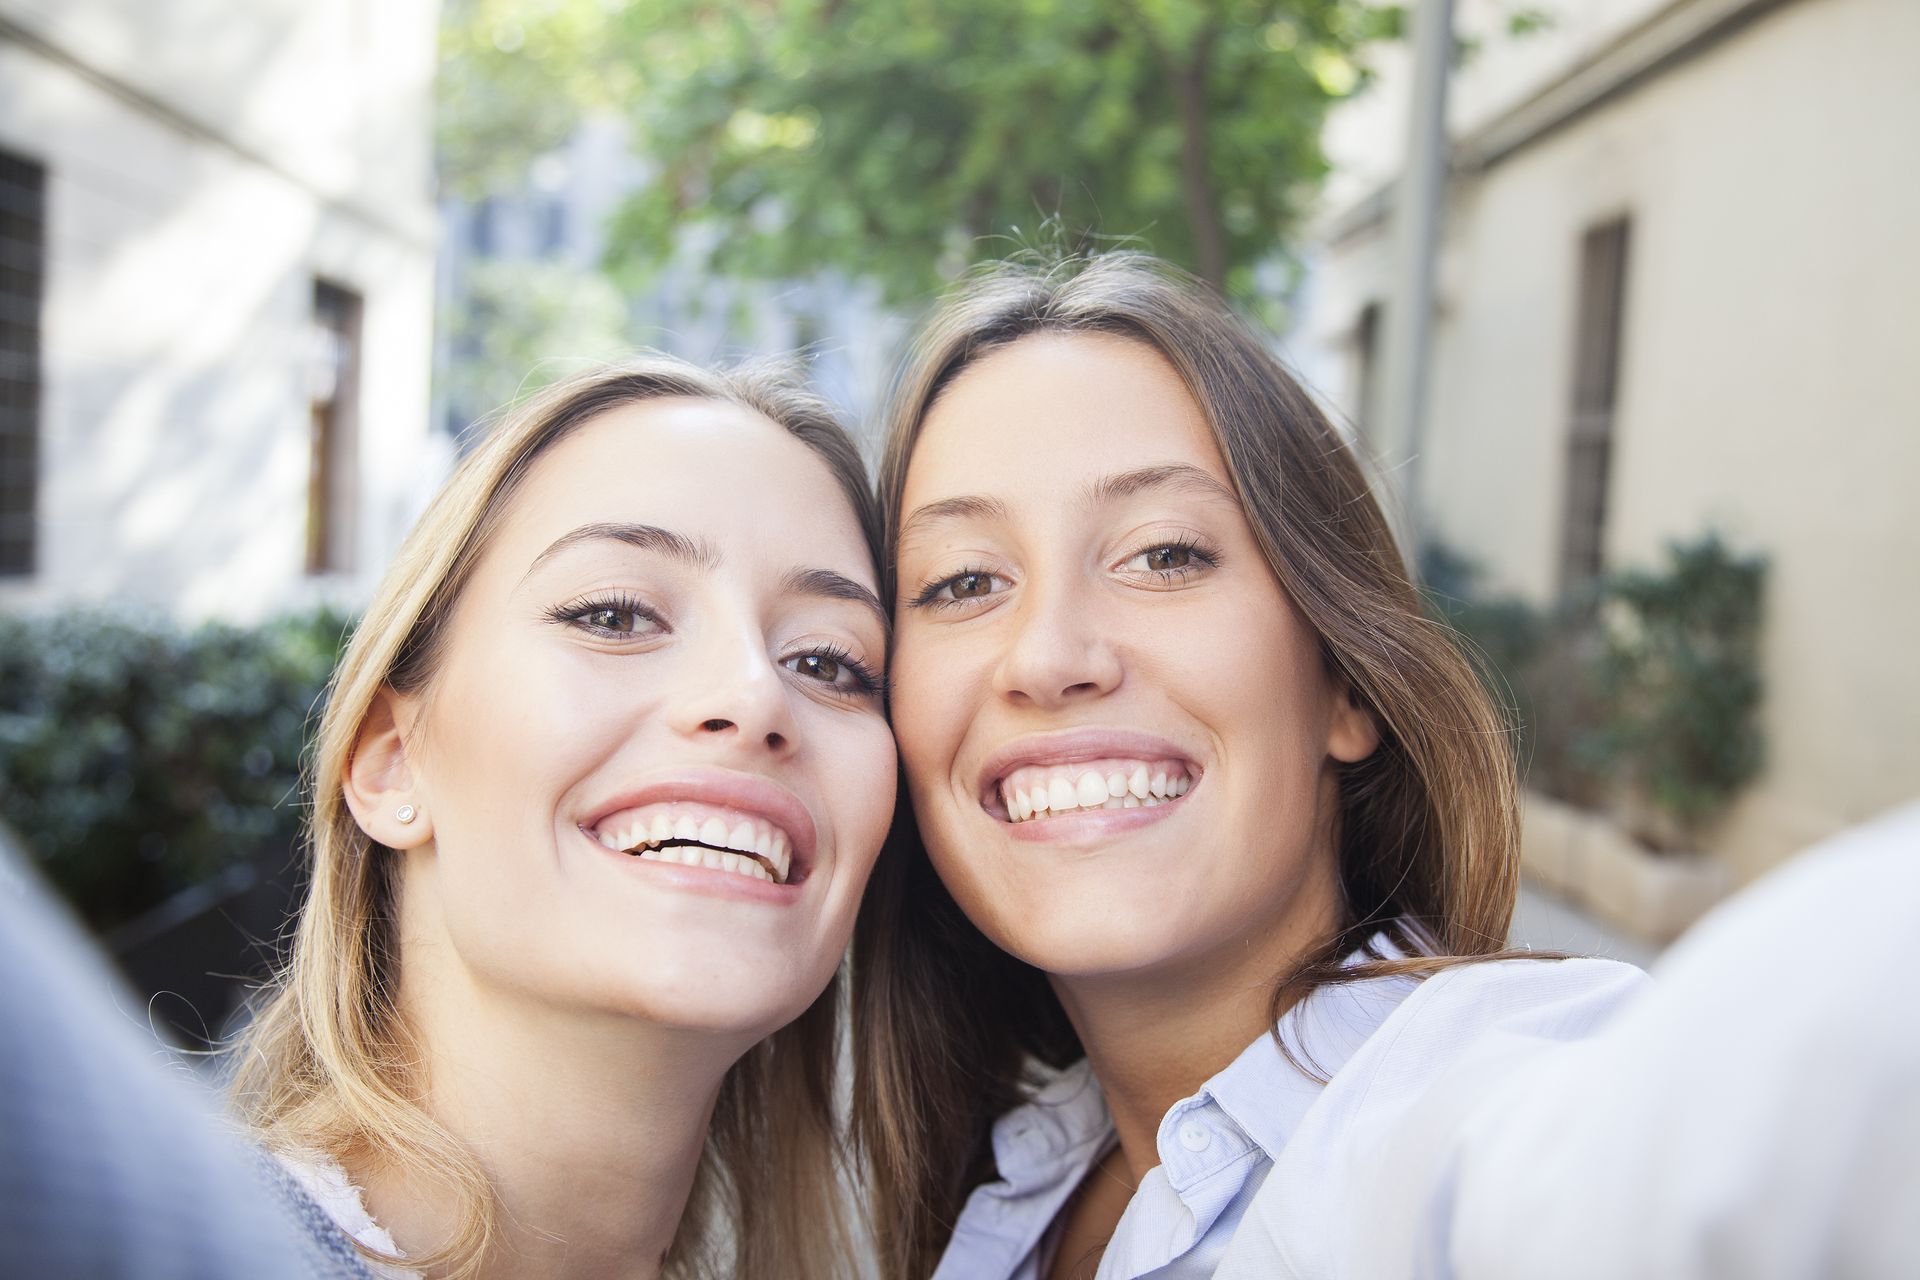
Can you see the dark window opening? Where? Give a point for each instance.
(1366, 370)
(1596, 385)
(23, 245)
(335, 395)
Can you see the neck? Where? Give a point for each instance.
(589, 1128)
(1155, 1037)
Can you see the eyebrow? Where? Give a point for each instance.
(1177, 477)
(676, 546)
(701, 554)
(948, 510)
(836, 586)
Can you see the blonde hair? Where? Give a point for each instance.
(1427, 844)
(328, 1064)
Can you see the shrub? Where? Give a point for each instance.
(138, 758)
(1642, 697)
(1680, 670)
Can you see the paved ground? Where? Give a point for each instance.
(1546, 922)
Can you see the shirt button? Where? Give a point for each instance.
(1194, 1137)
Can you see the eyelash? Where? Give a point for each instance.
(866, 681)
(928, 596)
(577, 613)
(1207, 556)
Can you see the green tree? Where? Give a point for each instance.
(897, 140)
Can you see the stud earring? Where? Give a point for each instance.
(406, 813)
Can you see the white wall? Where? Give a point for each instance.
(1766, 384)
(205, 163)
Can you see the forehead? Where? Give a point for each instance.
(1051, 410)
(707, 469)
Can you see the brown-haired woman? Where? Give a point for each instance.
(596, 791)
(1216, 841)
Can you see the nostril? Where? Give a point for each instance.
(716, 726)
(776, 741)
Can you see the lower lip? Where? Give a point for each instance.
(1090, 826)
(727, 885)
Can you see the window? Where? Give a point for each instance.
(23, 207)
(1596, 381)
(334, 378)
(1366, 370)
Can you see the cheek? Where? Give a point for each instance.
(929, 707)
(859, 784)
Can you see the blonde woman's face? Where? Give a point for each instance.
(1119, 735)
(654, 755)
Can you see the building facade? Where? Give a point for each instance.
(216, 299)
(1676, 294)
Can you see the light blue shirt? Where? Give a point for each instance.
(1215, 1149)
(1373, 1042)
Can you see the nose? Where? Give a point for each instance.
(734, 692)
(1059, 652)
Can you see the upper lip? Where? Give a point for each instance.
(1070, 746)
(724, 788)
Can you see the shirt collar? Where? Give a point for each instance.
(1056, 1133)
(1064, 1126)
(1265, 1094)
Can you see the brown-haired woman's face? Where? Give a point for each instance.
(654, 756)
(1118, 733)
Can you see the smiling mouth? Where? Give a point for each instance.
(698, 835)
(1039, 793)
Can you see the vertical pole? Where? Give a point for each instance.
(1416, 214)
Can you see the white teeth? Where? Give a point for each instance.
(1036, 791)
(758, 848)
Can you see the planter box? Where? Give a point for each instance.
(1590, 861)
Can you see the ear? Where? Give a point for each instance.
(381, 782)
(1352, 732)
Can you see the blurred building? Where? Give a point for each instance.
(1676, 292)
(546, 235)
(216, 288)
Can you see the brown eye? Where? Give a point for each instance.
(621, 620)
(1164, 558)
(971, 585)
(818, 666)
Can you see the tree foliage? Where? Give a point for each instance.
(897, 140)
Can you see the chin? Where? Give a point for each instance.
(711, 992)
(1092, 939)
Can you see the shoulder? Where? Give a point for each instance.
(1495, 1010)
(1350, 1189)
(333, 1208)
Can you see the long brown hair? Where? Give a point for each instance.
(947, 1024)
(328, 1063)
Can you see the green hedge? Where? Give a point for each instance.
(138, 758)
(1642, 697)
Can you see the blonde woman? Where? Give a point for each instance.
(596, 792)
(1216, 842)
